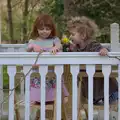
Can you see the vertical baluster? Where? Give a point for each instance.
(119, 91)
(11, 72)
(90, 69)
(58, 71)
(1, 86)
(114, 36)
(43, 72)
(27, 92)
(74, 71)
(106, 69)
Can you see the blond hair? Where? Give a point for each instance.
(83, 25)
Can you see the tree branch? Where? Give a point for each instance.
(33, 6)
(95, 5)
(16, 4)
(111, 4)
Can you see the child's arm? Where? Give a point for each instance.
(29, 46)
(56, 46)
(57, 43)
(97, 47)
(103, 52)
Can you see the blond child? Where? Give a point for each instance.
(83, 33)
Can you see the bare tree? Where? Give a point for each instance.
(10, 22)
(25, 16)
(29, 7)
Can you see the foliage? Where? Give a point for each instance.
(5, 77)
(55, 8)
(17, 8)
(104, 12)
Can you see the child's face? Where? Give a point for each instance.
(75, 36)
(44, 32)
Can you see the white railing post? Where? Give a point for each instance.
(43, 72)
(114, 37)
(27, 92)
(58, 72)
(90, 69)
(106, 69)
(74, 72)
(11, 73)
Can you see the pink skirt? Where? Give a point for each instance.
(35, 92)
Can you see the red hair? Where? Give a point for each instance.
(43, 20)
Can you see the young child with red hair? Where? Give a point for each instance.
(44, 39)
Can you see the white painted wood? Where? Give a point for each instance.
(43, 72)
(27, 92)
(10, 49)
(13, 45)
(60, 58)
(90, 69)
(74, 71)
(106, 69)
(22, 49)
(17, 50)
(11, 73)
(1, 87)
(119, 91)
(58, 72)
(114, 37)
(3, 49)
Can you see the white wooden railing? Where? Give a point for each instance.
(74, 59)
(12, 47)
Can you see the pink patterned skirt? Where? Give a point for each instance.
(35, 91)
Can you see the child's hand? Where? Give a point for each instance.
(65, 99)
(30, 48)
(72, 46)
(103, 52)
(54, 50)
